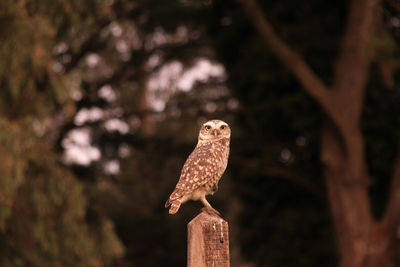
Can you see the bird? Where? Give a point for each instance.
(203, 168)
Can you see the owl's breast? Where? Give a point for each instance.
(220, 154)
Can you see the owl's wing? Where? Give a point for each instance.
(197, 170)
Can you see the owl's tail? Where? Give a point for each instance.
(173, 204)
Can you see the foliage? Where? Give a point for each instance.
(45, 218)
(44, 209)
(27, 69)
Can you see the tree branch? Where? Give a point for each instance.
(351, 69)
(92, 44)
(277, 171)
(311, 83)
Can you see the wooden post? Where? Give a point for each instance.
(208, 241)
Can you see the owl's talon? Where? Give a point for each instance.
(211, 211)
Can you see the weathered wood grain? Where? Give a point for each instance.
(208, 241)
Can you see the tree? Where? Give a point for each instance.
(361, 239)
(46, 217)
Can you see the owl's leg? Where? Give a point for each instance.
(207, 207)
(214, 188)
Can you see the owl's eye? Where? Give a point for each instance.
(207, 127)
(223, 127)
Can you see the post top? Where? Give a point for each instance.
(206, 217)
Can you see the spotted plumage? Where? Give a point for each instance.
(204, 167)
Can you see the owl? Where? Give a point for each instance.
(203, 168)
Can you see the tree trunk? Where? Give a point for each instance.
(362, 242)
(347, 197)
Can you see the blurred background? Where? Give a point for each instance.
(101, 103)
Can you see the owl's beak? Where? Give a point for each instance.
(215, 132)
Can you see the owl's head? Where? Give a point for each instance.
(213, 130)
